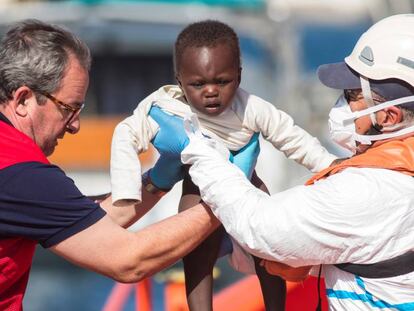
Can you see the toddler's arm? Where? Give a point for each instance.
(130, 138)
(278, 128)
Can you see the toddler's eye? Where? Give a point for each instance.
(223, 82)
(197, 85)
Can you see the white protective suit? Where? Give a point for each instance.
(360, 215)
(234, 127)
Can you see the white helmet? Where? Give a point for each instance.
(382, 61)
(386, 50)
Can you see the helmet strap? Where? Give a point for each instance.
(366, 92)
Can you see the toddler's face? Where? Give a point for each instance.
(209, 77)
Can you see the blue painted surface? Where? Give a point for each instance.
(321, 43)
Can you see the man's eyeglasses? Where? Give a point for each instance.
(353, 95)
(73, 112)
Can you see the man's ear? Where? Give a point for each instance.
(390, 116)
(21, 98)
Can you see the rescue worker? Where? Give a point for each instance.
(354, 219)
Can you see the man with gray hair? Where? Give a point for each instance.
(43, 81)
(354, 219)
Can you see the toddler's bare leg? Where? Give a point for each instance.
(273, 287)
(198, 265)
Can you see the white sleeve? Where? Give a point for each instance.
(131, 137)
(278, 128)
(305, 225)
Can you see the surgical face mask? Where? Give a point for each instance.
(342, 126)
(341, 133)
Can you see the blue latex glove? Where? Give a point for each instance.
(170, 140)
(246, 158)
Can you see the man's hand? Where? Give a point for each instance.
(200, 146)
(170, 140)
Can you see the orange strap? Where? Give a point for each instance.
(396, 155)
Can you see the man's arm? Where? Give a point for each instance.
(125, 256)
(127, 212)
(292, 227)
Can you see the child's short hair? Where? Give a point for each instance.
(205, 33)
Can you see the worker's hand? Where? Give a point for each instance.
(169, 141)
(201, 146)
(246, 158)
